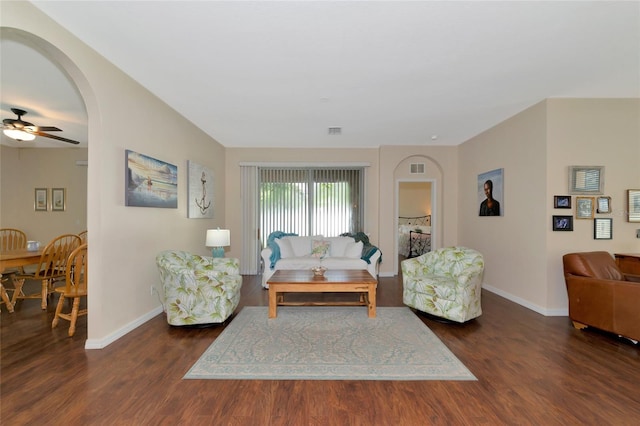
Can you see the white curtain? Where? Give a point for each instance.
(251, 245)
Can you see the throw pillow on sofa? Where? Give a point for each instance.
(320, 248)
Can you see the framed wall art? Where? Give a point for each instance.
(603, 228)
(200, 190)
(603, 204)
(562, 201)
(40, 201)
(58, 199)
(586, 180)
(584, 207)
(633, 205)
(150, 182)
(563, 223)
(491, 193)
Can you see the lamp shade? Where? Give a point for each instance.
(218, 238)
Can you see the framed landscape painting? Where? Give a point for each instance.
(150, 182)
(40, 201)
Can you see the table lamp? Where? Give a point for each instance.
(218, 239)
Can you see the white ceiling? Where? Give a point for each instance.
(279, 74)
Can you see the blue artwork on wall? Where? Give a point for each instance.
(150, 182)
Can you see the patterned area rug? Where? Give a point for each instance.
(328, 343)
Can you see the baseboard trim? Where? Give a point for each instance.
(103, 343)
(522, 302)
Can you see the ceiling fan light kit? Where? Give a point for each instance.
(21, 130)
(19, 135)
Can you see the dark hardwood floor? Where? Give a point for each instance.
(531, 370)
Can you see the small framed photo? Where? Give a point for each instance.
(633, 205)
(586, 180)
(602, 228)
(603, 204)
(584, 207)
(58, 200)
(563, 223)
(562, 201)
(41, 202)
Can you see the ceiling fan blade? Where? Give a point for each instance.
(43, 129)
(58, 138)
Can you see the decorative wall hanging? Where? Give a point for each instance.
(491, 193)
(58, 200)
(150, 182)
(200, 190)
(584, 207)
(633, 205)
(562, 201)
(586, 180)
(603, 204)
(40, 201)
(603, 228)
(563, 223)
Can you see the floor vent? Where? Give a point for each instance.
(417, 168)
(335, 130)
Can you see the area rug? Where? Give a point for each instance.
(328, 343)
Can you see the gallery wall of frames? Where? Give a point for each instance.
(587, 201)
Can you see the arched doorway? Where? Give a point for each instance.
(84, 92)
(418, 171)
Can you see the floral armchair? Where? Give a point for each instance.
(198, 289)
(445, 283)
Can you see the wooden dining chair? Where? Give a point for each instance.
(12, 239)
(51, 267)
(75, 288)
(83, 236)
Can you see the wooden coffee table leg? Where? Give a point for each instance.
(371, 303)
(273, 306)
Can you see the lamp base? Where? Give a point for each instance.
(217, 252)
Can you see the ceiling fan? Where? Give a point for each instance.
(21, 130)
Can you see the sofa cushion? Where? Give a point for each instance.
(285, 247)
(320, 248)
(301, 245)
(354, 250)
(338, 245)
(343, 263)
(298, 263)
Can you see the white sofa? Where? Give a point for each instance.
(306, 252)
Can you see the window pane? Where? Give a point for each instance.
(310, 201)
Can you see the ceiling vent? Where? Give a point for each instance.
(335, 131)
(417, 168)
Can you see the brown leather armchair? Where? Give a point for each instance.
(600, 295)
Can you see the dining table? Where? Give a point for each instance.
(15, 259)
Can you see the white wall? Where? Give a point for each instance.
(124, 240)
(414, 199)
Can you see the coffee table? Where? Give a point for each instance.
(334, 281)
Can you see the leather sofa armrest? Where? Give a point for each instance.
(632, 277)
